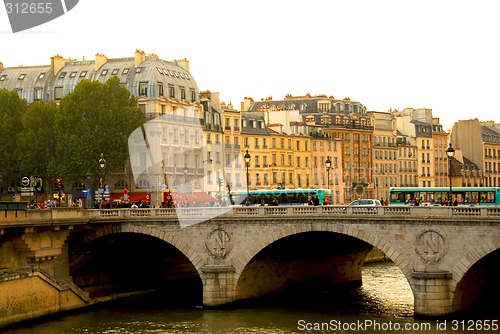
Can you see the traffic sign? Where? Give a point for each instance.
(25, 181)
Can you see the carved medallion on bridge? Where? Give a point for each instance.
(431, 246)
(219, 243)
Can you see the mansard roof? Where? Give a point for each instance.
(150, 73)
(253, 123)
(309, 104)
(489, 135)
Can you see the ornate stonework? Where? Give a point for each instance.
(431, 246)
(218, 242)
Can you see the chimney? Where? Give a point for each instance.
(56, 63)
(215, 99)
(184, 63)
(100, 60)
(140, 56)
(1, 66)
(247, 102)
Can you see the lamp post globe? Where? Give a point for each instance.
(328, 165)
(247, 158)
(102, 166)
(450, 152)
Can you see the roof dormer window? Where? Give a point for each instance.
(21, 77)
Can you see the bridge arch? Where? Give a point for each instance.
(173, 240)
(252, 250)
(177, 261)
(468, 278)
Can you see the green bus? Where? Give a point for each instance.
(439, 195)
(284, 196)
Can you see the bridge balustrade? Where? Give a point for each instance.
(62, 215)
(304, 210)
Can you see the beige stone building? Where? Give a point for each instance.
(423, 132)
(480, 143)
(385, 153)
(343, 119)
(440, 140)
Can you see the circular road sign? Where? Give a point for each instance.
(25, 181)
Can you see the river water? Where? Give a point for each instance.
(384, 304)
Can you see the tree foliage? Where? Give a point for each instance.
(36, 141)
(95, 118)
(12, 110)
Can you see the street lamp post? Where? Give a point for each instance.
(88, 201)
(102, 166)
(185, 170)
(450, 152)
(247, 164)
(328, 165)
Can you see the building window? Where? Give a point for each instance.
(38, 93)
(171, 91)
(183, 93)
(21, 77)
(193, 95)
(73, 74)
(143, 89)
(62, 75)
(160, 89)
(58, 93)
(115, 71)
(143, 109)
(83, 74)
(104, 72)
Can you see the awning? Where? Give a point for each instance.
(195, 197)
(133, 197)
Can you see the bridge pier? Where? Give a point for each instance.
(432, 295)
(218, 284)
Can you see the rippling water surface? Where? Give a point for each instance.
(384, 297)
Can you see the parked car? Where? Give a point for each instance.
(365, 202)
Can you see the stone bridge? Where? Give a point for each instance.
(59, 259)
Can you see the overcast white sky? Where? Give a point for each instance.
(438, 54)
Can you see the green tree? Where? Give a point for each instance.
(36, 142)
(12, 110)
(95, 118)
